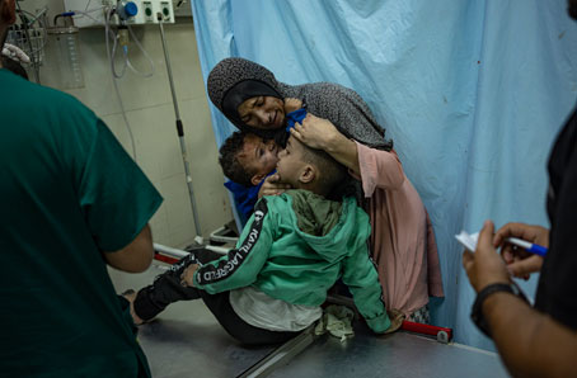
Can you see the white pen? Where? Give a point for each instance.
(470, 243)
(530, 247)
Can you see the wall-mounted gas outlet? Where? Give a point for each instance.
(146, 11)
(166, 9)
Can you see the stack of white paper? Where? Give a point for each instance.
(468, 240)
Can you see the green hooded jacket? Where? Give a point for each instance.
(295, 247)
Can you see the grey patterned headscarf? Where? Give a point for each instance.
(340, 105)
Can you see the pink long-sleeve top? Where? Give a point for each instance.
(402, 240)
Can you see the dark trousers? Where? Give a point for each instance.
(166, 289)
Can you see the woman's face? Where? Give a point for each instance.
(262, 112)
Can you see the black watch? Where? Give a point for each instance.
(477, 311)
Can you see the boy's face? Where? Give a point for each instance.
(258, 157)
(290, 163)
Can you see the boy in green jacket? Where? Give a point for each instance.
(294, 248)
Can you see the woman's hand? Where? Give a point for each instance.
(272, 187)
(321, 134)
(520, 263)
(317, 133)
(292, 104)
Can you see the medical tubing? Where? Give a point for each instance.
(123, 111)
(145, 53)
(36, 17)
(110, 34)
(107, 33)
(65, 14)
(87, 14)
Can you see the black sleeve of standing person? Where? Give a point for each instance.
(557, 290)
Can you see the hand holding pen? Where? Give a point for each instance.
(513, 238)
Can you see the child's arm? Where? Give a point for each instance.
(241, 266)
(360, 275)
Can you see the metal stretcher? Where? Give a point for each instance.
(187, 341)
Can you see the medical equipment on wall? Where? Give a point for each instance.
(140, 12)
(119, 18)
(114, 17)
(67, 50)
(29, 34)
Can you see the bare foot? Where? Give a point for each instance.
(130, 295)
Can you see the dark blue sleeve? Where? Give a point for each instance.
(245, 198)
(294, 117)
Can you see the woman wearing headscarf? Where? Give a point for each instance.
(339, 121)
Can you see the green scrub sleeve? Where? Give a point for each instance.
(116, 197)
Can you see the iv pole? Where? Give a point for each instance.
(180, 130)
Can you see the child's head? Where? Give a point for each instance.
(246, 159)
(306, 168)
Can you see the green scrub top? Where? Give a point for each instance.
(68, 192)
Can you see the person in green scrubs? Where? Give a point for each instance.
(72, 202)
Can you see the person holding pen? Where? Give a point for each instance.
(536, 341)
(522, 260)
(539, 341)
(550, 328)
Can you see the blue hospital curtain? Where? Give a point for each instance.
(473, 94)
